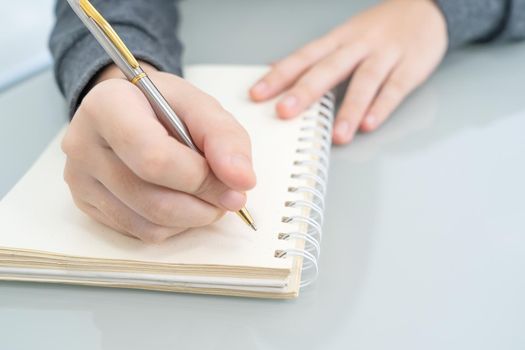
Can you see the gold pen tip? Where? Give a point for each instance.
(247, 218)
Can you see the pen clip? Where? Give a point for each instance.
(110, 33)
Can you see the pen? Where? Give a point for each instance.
(124, 59)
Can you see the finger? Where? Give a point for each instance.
(283, 73)
(216, 132)
(159, 205)
(363, 87)
(97, 215)
(143, 144)
(319, 79)
(117, 214)
(398, 85)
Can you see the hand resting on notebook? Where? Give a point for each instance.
(126, 172)
(389, 50)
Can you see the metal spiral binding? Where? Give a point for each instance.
(313, 171)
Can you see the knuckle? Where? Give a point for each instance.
(326, 42)
(124, 223)
(395, 88)
(205, 183)
(220, 213)
(343, 60)
(341, 33)
(279, 70)
(371, 73)
(86, 210)
(306, 90)
(160, 211)
(306, 54)
(158, 234)
(77, 187)
(360, 48)
(153, 236)
(80, 204)
(151, 163)
(68, 176)
(90, 102)
(72, 145)
(87, 105)
(333, 65)
(313, 50)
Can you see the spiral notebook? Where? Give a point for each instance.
(45, 238)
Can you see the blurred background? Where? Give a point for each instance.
(23, 37)
(214, 35)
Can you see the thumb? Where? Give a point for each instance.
(227, 148)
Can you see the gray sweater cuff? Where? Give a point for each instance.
(86, 58)
(515, 29)
(147, 28)
(473, 20)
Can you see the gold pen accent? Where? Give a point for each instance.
(110, 33)
(136, 79)
(92, 13)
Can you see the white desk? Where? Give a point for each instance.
(424, 244)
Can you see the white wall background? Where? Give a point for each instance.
(24, 29)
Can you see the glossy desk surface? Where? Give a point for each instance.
(424, 244)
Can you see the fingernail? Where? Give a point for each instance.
(240, 162)
(232, 200)
(342, 129)
(289, 102)
(260, 88)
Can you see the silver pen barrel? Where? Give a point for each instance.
(166, 115)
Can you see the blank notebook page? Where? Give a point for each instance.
(57, 226)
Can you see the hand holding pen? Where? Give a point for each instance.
(125, 170)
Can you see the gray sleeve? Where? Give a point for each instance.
(471, 21)
(149, 30)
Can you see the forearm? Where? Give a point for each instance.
(471, 21)
(148, 30)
